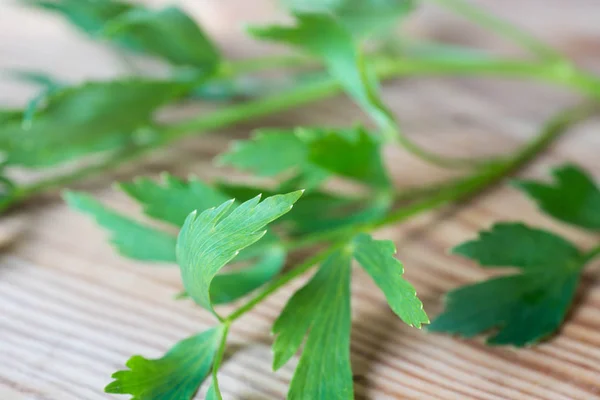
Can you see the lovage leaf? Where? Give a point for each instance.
(318, 211)
(174, 199)
(89, 118)
(349, 153)
(525, 307)
(9, 116)
(88, 15)
(517, 245)
(264, 259)
(335, 213)
(270, 152)
(358, 16)
(573, 197)
(208, 241)
(168, 33)
(377, 258)
(325, 37)
(175, 376)
(230, 286)
(131, 238)
(321, 307)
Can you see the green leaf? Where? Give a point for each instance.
(173, 199)
(310, 178)
(524, 308)
(573, 197)
(230, 286)
(168, 33)
(325, 37)
(336, 213)
(517, 245)
(358, 16)
(7, 187)
(175, 376)
(9, 116)
(377, 258)
(131, 238)
(208, 241)
(270, 152)
(319, 211)
(321, 308)
(266, 258)
(88, 15)
(349, 153)
(85, 119)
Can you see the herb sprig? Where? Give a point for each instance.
(208, 73)
(234, 240)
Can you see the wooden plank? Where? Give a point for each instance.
(72, 311)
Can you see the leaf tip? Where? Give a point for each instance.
(278, 361)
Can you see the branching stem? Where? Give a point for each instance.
(385, 67)
(459, 191)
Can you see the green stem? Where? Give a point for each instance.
(204, 125)
(553, 74)
(503, 28)
(385, 68)
(219, 360)
(434, 158)
(281, 281)
(479, 181)
(461, 190)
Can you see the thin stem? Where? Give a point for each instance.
(461, 190)
(553, 74)
(385, 68)
(467, 187)
(411, 194)
(200, 126)
(437, 159)
(503, 28)
(219, 360)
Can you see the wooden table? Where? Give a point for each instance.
(72, 311)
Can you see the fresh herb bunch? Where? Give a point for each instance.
(228, 249)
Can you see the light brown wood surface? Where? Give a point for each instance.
(72, 311)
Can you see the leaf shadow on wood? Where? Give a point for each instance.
(371, 334)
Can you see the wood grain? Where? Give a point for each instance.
(72, 311)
